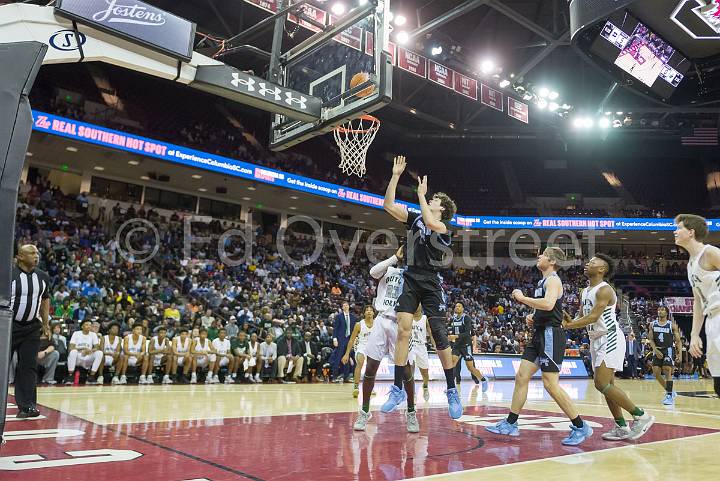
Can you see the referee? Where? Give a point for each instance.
(30, 304)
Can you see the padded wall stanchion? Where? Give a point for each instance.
(20, 63)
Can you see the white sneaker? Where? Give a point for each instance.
(215, 379)
(251, 379)
(142, 379)
(166, 379)
(193, 378)
(413, 426)
(257, 378)
(115, 380)
(362, 420)
(229, 380)
(51, 382)
(123, 379)
(100, 380)
(618, 433)
(640, 426)
(149, 379)
(208, 379)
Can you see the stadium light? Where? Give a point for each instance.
(402, 37)
(542, 104)
(543, 92)
(362, 3)
(604, 123)
(487, 66)
(436, 50)
(338, 8)
(400, 20)
(553, 106)
(588, 123)
(578, 123)
(504, 83)
(616, 124)
(553, 95)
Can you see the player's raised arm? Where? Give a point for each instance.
(396, 210)
(379, 269)
(431, 221)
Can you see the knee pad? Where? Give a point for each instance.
(438, 328)
(716, 380)
(605, 389)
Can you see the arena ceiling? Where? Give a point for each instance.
(527, 38)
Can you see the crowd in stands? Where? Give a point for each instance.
(258, 300)
(315, 160)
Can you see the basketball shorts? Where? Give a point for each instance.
(158, 360)
(425, 289)
(203, 360)
(463, 350)
(667, 359)
(382, 338)
(224, 361)
(132, 361)
(546, 348)
(181, 358)
(361, 348)
(712, 331)
(108, 360)
(419, 356)
(609, 349)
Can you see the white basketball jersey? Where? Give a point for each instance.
(203, 347)
(136, 347)
(607, 322)
(388, 290)
(222, 347)
(419, 332)
(110, 347)
(705, 283)
(157, 346)
(183, 348)
(363, 334)
(84, 341)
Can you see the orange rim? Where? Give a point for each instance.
(370, 118)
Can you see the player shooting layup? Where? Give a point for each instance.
(428, 242)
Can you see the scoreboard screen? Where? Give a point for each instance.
(635, 49)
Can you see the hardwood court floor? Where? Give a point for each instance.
(304, 432)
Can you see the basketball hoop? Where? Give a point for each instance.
(354, 138)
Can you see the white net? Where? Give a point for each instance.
(354, 138)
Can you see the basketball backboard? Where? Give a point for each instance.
(324, 65)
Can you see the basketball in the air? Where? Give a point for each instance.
(359, 79)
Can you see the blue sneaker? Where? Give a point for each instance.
(454, 405)
(484, 385)
(504, 428)
(397, 396)
(578, 435)
(674, 394)
(669, 400)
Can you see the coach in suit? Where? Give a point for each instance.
(343, 325)
(633, 353)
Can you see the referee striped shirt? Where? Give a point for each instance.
(28, 289)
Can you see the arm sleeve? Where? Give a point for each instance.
(469, 326)
(379, 269)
